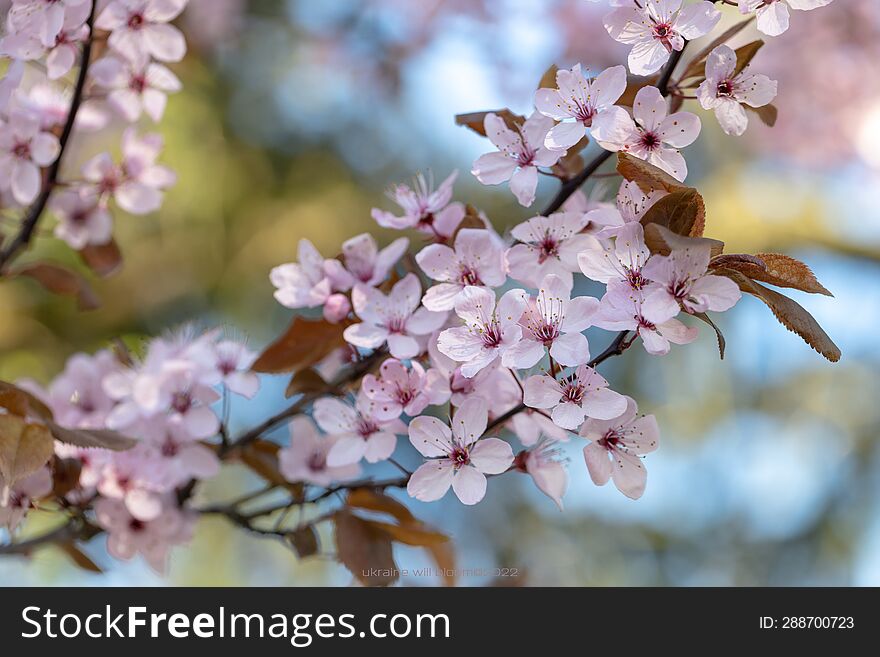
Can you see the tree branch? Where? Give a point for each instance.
(29, 223)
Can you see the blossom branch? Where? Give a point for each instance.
(30, 221)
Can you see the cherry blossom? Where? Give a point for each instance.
(520, 153)
(726, 93)
(305, 459)
(302, 284)
(682, 278)
(553, 321)
(633, 202)
(336, 308)
(652, 319)
(424, 208)
(400, 390)
(457, 457)
(131, 477)
(544, 463)
(232, 361)
(655, 137)
(140, 29)
(488, 331)
(616, 446)
(486, 384)
(153, 539)
(620, 262)
(395, 318)
(177, 455)
(655, 28)
(137, 183)
(82, 219)
(583, 394)
(590, 102)
(76, 396)
(61, 50)
(135, 87)
(42, 20)
(17, 500)
(547, 245)
(24, 148)
(358, 431)
(364, 262)
(477, 259)
(772, 15)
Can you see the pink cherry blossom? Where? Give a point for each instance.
(632, 202)
(772, 15)
(131, 477)
(363, 262)
(459, 457)
(547, 245)
(137, 183)
(177, 456)
(424, 208)
(616, 446)
(553, 321)
(726, 93)
(43, 20)
(305, 459)
(61, 51)
(24, 149)
(545, 464)
(488, 331)
(519, 155)
(620, 261)
(590, 102)
(232, 361)
(682, 278)
(477, 259)
(652, 319)
(583, 394)
(655, 137)
(18, 499)
(485, 384)
(302, 284)
(358, 431)
(395, 318)
(128, 536)
(139, 29)
(135, 87)
(654, 28)
(82, 219)
(400, 390)
(77, 397)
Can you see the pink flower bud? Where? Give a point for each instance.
(336, 308)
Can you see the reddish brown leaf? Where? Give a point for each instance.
(65, 476)
(305, 382)
(548, 80)
(646, 176)
(789, 313)
(475, 120)
(104, 259)
(767, 113)
(20, 402)
(25, 447)
(444, 556)
(304, 541)
(416, 535)
(722, 343)
(776, 269)
(697, 67)
(60, 280)
(745, 54)
(683, 212)
(660, 239)
(365, 549)
(304, 343)
(261, 456)
(100, 438)
(374, 500)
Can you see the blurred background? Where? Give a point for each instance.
(295, 117)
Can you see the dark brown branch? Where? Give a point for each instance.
(29, 223)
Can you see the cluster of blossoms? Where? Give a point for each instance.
(479, 333)
(164, 401)
(43, 40)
